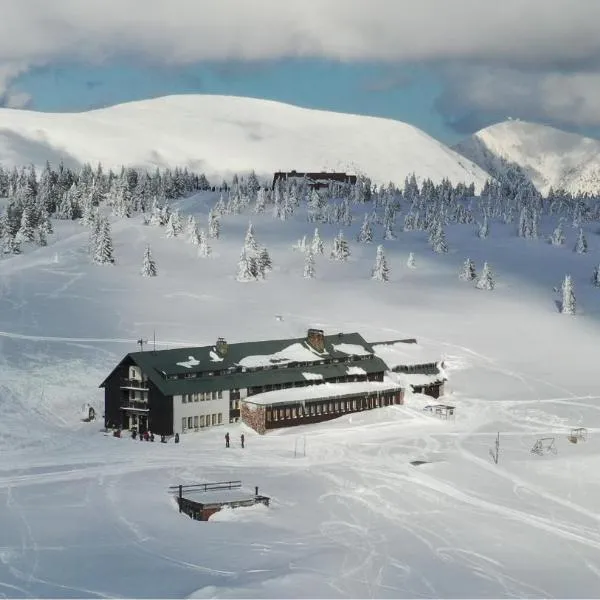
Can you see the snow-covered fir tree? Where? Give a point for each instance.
(148, 266)
(484, 228)
(568, 303)
(249, 241)
(438, 239)
(365, 235)
(388, 231)
(486, 279)
(40, 236)
(214, 225)
(558, 235)
(204, 250)
(191, 229)
(380, 271)
(26, 230)
(309, 264)
(171, 229)
(300, 245)
(264, 262)
(246, 269)
(410, 261)
(468, 272)
(596, 276)
(103, 250)
(581, 245)
(317, 246)
(341, 249)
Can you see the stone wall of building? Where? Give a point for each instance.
(253, 416)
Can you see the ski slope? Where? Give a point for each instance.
(550, 157)
(88, 515)
(221, 135)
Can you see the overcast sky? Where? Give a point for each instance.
(448, 66)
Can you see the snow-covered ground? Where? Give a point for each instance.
(220, 135)
(86, 514)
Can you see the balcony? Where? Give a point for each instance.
(134, 384)
(139, 405)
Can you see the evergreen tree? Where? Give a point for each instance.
(365, 234)
(249, 241)
(581, 245)
(558, 236)
(341, 250)
(171, 229)
(438, 243)
(214, 225)
(264, 262)
(468, 273)
(26, 230)
(380, 271)
(568, 304)
(245, 268)
(316, 245)
(309, 264)
(484, 228)
(486, 279)
(596, 276)
(410, 262)
(40, 237)
(388, 232)
(204, 250)
(149, 266)
(103, 251)
(191, 229)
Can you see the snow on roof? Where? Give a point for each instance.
(214, 357)
(218, 496)
(295, 353)
(395, 354)
(189, 363)
(351, 349)
(312, 376)
(355, 371)
(323, 390)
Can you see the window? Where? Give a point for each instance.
(184, 399)
(183, 424)
(195, 422)
(214, 395)
(190, 422)
(201, 420)
(220, 394)
(195, 397)
(220, 418)
(213, 419)
(287, 413)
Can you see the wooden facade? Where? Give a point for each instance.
(262, 417)
(315, 180)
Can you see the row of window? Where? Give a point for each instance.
(201, 421)
(289, 365)
(342, 406)
(201, 396)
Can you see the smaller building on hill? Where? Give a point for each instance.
(316, 403)
(413, 366)
(314, 180)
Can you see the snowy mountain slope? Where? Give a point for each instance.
(88, 515)
(224, 134)
(549, 156)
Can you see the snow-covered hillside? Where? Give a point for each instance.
(549, 156)
(89, 515)
(219, 135)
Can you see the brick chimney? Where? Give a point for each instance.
(221, 346)
(316, 339)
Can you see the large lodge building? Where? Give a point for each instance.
(268, 384)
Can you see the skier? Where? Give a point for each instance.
(227, 440)
(242, 439)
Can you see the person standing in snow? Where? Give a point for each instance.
(227, 440)
(242, 439)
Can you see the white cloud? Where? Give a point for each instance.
(566, 99)
(542, 35)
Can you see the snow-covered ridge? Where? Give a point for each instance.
(549, 156)
(219, 135)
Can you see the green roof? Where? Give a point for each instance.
(240, 365)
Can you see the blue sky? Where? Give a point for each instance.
(449, 67)
(406, 93)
